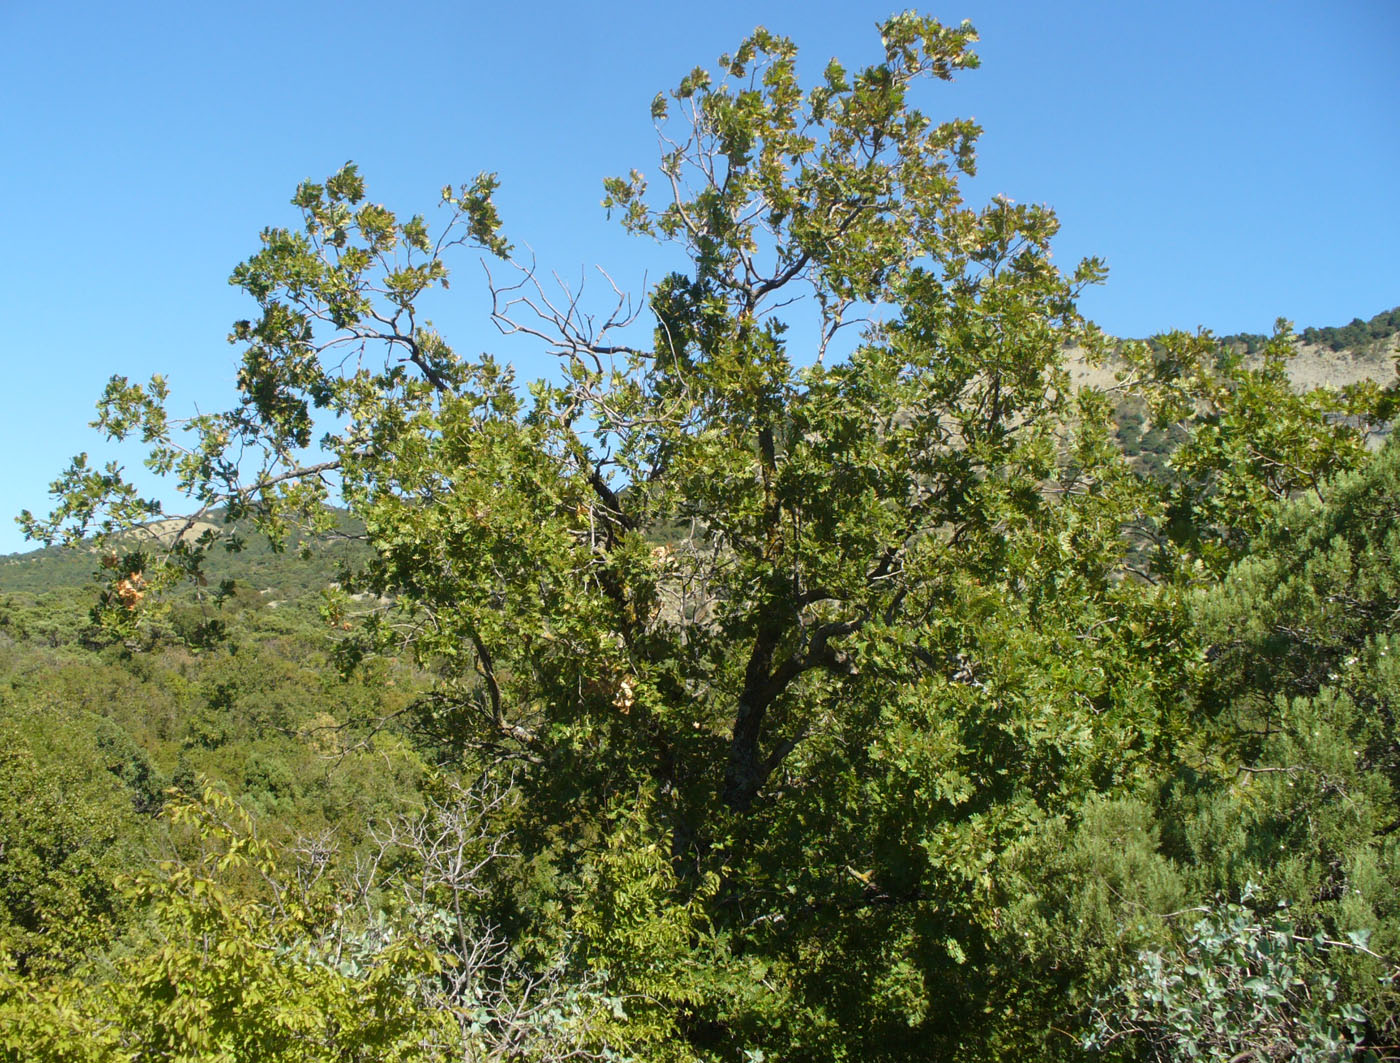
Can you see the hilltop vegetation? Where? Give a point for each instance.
(715, 699)
(1360, 338)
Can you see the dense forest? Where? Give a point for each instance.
(758, 686)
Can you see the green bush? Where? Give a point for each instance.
(1238, 986)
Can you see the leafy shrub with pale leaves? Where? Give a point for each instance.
(1241, 986)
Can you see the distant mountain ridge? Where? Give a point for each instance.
(1358, 336)
(1323, 357)
(289, 572)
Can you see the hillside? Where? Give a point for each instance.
(290, 573)
(1334, 356)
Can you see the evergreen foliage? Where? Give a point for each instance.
(1358, 335)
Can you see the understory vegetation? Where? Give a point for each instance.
(805, 670)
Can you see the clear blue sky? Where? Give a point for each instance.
(1233, 160)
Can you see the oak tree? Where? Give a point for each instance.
(791, 598)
